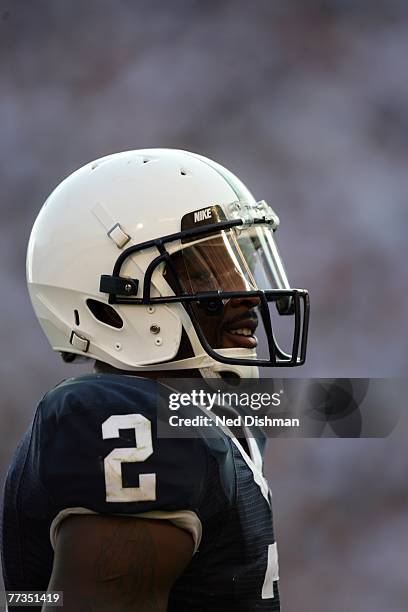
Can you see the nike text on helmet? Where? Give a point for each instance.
(139, 253)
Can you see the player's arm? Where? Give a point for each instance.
(118, 564)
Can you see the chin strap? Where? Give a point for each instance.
(209, 368)
(227, 369)
(218, 370)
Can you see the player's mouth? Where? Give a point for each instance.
(241, 333)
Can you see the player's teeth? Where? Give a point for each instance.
(241, 332)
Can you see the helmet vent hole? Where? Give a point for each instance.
(105, 313)
(146, 161)
(76, 317)
(183, 172)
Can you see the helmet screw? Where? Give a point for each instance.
(128, 287)
(150, 309)
(154, 329)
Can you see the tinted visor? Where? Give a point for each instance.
(232, 260)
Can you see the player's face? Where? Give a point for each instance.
(234, 327)
(210, 267)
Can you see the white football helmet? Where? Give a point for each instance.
(140, 253)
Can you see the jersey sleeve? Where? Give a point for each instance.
(104, 456)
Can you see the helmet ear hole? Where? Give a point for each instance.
(105, 313)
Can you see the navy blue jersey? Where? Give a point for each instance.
(93, 447)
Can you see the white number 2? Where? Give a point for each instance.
(115, 492)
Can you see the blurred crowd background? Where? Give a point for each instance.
(308, 103)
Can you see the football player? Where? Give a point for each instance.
(154, 264)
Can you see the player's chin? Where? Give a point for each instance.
(234, 340)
